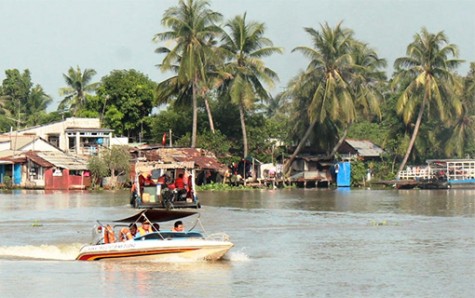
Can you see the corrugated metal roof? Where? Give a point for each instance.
(33, 156)
(147, 166)
(201, 158)
(62, 160)
(365, 148)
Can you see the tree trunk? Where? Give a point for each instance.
(302, 142)
(414, 134)
(244, 133)
(340, 141)
(194, 130)
(210, 115)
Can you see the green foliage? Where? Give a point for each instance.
(178, 120)
(317, 101)
(8, 182)
(127, 96)
(21, 103)
(78, 85)
(425, 79)
(113, 162)
(358, 173)
(191, 28)
(366, 130)
(217, 143)
(117, 160)
(245, 71)
(98, 168)
(383, 170)
(184, 141)
(338, 87)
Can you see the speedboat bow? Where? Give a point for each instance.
(157, 244)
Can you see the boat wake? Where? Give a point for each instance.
(64, 252)
(236, 256)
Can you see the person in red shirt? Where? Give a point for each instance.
(179, 182)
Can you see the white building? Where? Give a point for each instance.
(81, 136)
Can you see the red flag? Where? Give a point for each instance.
(164, 139)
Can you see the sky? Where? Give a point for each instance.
(50, 36)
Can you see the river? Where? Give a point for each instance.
(288, 243)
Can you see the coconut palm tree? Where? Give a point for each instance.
(324, 80)
(428, 69)
(37, 101)
(463, 130)
(178, 92)
(78, 85)
(244, 47)
(339, 83)
(16, 90)
(192, 31)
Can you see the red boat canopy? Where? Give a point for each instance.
(156, 215)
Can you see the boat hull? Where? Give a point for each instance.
(156, 249)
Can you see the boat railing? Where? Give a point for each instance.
(453, 171)
(415, 173)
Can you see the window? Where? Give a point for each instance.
(53, 139)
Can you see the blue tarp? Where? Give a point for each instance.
(343, 174)
(17, 174)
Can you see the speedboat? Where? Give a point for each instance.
(158, 244)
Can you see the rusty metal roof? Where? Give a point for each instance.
(57, 159)
(202, 158)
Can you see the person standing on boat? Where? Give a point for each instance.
(145, 228)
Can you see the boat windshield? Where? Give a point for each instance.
(155, 215)
(169, 235)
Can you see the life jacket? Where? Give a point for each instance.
(142, 231)
(125, 234)
(109, 236)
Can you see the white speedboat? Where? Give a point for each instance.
(189, 244)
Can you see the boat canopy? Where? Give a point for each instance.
(156, 215)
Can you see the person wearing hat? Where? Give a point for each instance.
(145, 228)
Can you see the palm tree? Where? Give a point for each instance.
(274, 105)
(428, 70)
(192, 30)
(37, 103)
(340, 81)
(324, 80)
(244, 47)
(16, 89)
(172, 89)
(463, 131)
(78, 85)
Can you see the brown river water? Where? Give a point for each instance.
(288, 243)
